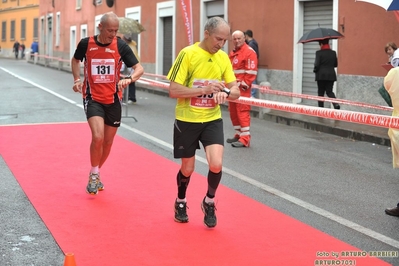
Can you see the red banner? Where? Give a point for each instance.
(396, 15)
(188, 19)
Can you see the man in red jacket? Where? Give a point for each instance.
(245, 66)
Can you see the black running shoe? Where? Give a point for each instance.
(233, 139)
(181, 212)
(209, 210)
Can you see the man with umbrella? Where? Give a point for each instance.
(325, 62)
(324, 67)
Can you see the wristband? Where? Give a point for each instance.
(76, 80)
(227, 91)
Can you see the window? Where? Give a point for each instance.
(3, 30)
(83, 31)
(96, 22)
(50, 22)
(58, 29)
(97, 2)
(12, 30)
(23, 29)
(78, 4)
(35, 28)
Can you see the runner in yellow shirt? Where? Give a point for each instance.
(201, 78)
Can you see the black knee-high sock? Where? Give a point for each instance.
(213, 183)
(182, 184)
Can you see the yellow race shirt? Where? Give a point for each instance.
(194, 67)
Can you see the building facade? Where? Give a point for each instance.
(277, 27)
(19, 22)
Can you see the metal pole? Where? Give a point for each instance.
(126, 101)
(127, 104)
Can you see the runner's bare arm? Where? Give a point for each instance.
(77, 84)
(75, 65)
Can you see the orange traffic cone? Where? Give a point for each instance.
(69, 259)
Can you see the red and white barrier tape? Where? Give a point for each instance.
(342, 115)
(264, 89)
(155, 83)
(155, 75)
(53, 58)
(318, 98)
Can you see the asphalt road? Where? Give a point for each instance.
(336, 185)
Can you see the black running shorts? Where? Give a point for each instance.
(187, 135)
(112, 113)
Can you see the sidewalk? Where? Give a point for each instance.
(373, 134)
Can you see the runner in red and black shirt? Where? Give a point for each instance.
(102, 89)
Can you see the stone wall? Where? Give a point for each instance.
(362, 89)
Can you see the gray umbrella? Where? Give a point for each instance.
(130, 26)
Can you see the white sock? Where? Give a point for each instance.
(209, 200)
(94, 169)
(181, 200)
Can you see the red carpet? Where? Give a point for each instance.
(131, 221)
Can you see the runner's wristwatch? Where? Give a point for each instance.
(227, 91)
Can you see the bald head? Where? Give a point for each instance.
(238, 39)
(109, 26)
(109, 17)
(238, 33)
